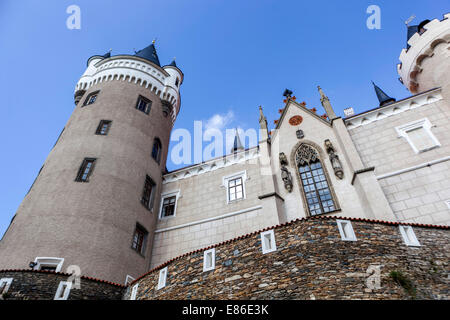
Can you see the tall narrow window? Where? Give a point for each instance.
(103, 127)
(139, 239)
(419, 136)
(143, 104)
(315, 185)
(177, 82)
(85, 170)
(209, 260)
(148, 192)
(346, 230)
(91, 98)
(5, 283)
(156, 150)
(409, 237)
(168, 206)
(268, 241)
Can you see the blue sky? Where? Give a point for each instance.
(236, 55)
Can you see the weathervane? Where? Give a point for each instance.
(410, 19)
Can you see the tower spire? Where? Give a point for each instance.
(237, 145)
(326, 104)
(383, 98)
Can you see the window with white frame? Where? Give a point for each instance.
(209, 260)
(63, 291)
(168, 205)
(162, 278)
(5, 283)
(447, 202)
(134, 291)
(346, 230)
(235, 185)
(268, 241)
(48, 263)
(409, 237)
(419, 136)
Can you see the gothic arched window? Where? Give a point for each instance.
(316, 189)
(156, 150)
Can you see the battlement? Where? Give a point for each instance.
(422, 46)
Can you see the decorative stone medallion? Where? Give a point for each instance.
(295, 120)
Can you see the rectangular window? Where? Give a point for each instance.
(268, 241)
(85, 170)
(346, 230)
(419, 135)
(48, 263)
(168, 206)
(91, 98)
(235, 189)
(143, 104)
(103, 127)
(148, 193)
(139, 239)
(409, 237)
(162, 278)
(209, 260)
(63, 291)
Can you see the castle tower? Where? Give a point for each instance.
(425, 64)
(96, 199)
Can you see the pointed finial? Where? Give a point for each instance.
(154, 41)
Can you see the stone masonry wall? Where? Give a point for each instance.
(42, 285)
(312, 262)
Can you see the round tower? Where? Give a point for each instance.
(96, 199)
(425, 64)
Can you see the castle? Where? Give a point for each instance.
(104, 201)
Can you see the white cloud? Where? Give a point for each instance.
(219, 121)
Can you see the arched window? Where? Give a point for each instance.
(156, 150)
(316, 189)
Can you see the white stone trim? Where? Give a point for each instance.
(162, 278)
(134, 290)
(226, 179)
(268, 243)
(211, 165)
(346, 230)
(381, 113)
(209, 219)
(419, 166)
(447, 202)
(420, 44)
(48, 261)
(209, 256)
(421, 123)
(63, 295)
(168, 194)
(6, 281)
(409, 237)
(129, 279)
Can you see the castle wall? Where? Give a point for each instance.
(41, 285)
(417, 195)
(203, 215)
(311, 262)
